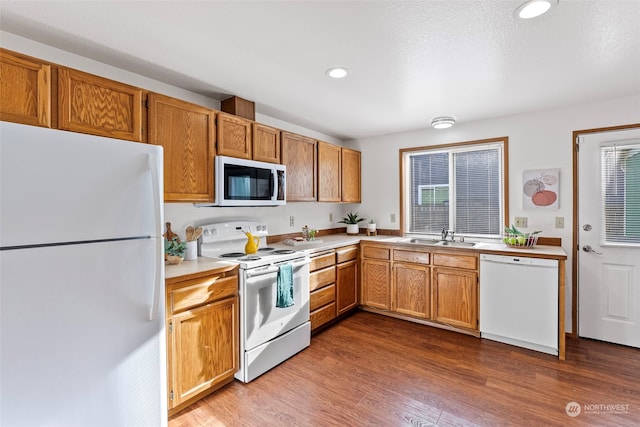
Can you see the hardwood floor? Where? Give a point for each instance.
(371, 370)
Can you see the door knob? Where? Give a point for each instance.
(588, 248)
(586, 227)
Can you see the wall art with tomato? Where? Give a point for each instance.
(540, 188)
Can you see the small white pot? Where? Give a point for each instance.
(371, 227)
(353, 229)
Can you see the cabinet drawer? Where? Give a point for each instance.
(346, 254)
(376, 252)
(321, 278)
(457, 261)
(322, 261)
(202, 291)
(411, 256)
(322, 297)
(323, 315)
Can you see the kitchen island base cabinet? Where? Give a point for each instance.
(202, 336)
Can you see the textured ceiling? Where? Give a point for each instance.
(410, 60)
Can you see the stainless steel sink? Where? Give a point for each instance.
(425, 241)
(455, 244)
(438, 242)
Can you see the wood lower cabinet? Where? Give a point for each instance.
(351, 178)
(299, 155)
(322, 287)
(98, 106)
(25, 90)
(425, 283)
(412, 290)
(234, 136)
(266, 143)
(346, 279)
(329, 169)
(376, 276)
(186, 132)
(202, 335)
(456, 297)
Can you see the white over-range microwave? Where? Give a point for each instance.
(240, 182)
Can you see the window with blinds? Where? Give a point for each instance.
(620, 180)
(457, 188)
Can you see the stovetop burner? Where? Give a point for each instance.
(232, 255)
(250, 258)
(267, 249)
(283, 251)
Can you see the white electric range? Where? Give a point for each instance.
(268, 334)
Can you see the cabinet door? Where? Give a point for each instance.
(376, 284)
(412, 290)
(456, 297)
(234, 136)
(329, 161)
(266, 143)
(98, 106)
(351, 178)
(25, 90)
(299, 155)
(204, 349)
(346, 286)
(186, 133)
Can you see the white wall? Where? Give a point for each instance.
(315, 215)
(536, 141)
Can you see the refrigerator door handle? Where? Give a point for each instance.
(157, 275)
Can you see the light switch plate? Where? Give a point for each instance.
(521, 221)
(559, 222)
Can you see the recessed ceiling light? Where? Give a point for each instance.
(533, 8)
(337, 72)
(443, 122)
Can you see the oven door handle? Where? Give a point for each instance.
(274, 268)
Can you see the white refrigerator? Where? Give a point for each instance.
(82, 340)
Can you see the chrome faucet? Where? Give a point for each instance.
(444, 233)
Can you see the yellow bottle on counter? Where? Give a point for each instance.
(252, 244)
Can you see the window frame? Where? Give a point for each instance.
(404, 176)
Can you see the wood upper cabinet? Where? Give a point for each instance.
(299, 155)
(25, 90)
(351, 176)
(266, 143)
(234, 136)
(186, 132)
(456, 297)
(98, 106)
(203, 335)
(329, 170)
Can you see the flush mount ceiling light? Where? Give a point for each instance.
(337, 72)
(534, 8)
(443, 122)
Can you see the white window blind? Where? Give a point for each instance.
(459, 188)
(620, 180)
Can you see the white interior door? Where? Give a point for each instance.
(609, 237)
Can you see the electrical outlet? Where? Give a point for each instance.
(292, 221)
(330, 217)
(393, 217)
(521, 221)
(559, 222)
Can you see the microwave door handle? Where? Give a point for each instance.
(273, 184)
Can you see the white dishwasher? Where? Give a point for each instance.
(519, 301)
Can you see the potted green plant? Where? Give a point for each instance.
(371, 227)
(352, 221)
(174, 250)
